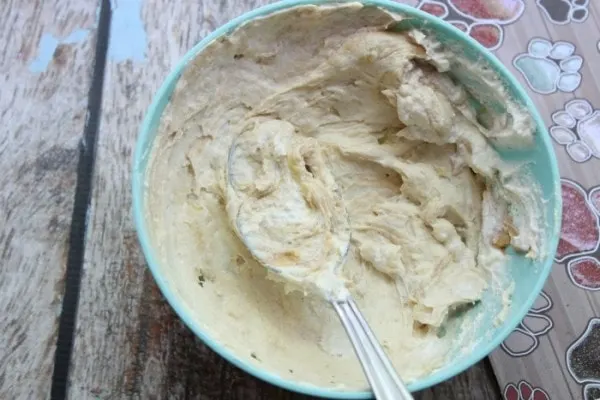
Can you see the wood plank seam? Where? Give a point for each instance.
(85, 169)
(495, 382)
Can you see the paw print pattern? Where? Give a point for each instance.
(524, 391)
(548, 67)
(585, 272)
(524, 339)
(578, 129)
(579, 242)
(481, 19)
(583, 360)
(591, 391)
(595, 199)
(562, 12)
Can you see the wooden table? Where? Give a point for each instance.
(81, 315)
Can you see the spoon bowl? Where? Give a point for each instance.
(285, 206)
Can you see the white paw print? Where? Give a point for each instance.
(525, 338)
(578, 129)
(548, 67)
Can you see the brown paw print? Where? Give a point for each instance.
(579, 242)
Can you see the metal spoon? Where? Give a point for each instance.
(262, 182)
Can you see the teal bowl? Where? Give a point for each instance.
(528, 276)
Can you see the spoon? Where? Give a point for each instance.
(285, 206)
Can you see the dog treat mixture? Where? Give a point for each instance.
(320, 133)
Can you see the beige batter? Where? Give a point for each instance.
(316, 126)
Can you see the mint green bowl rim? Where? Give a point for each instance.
(143, 147)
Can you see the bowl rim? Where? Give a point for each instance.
(138, 189)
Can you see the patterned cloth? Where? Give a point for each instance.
(553, 47)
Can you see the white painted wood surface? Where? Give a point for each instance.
(46, 57)
(129, 343)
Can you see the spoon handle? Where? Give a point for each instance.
(384, 381)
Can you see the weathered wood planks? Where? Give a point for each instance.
(46, 61)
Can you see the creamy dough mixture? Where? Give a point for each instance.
(318, 125)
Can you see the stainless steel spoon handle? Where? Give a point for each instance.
(384, 381)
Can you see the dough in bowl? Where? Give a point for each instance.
(333, 91)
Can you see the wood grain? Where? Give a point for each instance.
(129, 344)
(42, 108)
(477, 383)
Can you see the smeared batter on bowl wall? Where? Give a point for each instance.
(431, 205)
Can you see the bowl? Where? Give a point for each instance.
(528, 276)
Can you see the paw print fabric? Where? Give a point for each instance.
(577, 128)
(553, 48)
(549, 67)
